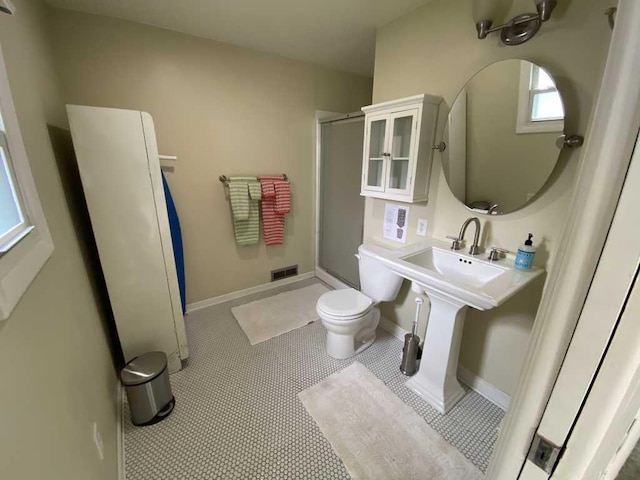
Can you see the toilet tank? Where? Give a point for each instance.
(376, 281)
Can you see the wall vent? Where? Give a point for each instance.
(285, 272)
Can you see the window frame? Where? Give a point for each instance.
(22, 229)
(24, 255)
(524, 124)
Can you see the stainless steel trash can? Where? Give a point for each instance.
(146, 381)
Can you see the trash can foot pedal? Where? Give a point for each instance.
(161, 415)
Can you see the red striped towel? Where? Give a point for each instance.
(268, 188)
(283, 197)
(272, 222)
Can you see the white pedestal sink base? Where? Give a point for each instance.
(453, 280)
(436, 380)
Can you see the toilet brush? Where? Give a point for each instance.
(408, 366)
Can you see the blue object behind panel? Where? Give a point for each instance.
(176, 240)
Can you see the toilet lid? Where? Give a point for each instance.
(344, 303)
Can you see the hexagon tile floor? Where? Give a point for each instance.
(238, 416)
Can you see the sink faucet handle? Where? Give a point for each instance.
(495, 253)
(455, 245)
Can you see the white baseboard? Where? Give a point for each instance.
(247, 291)
(470, 379)
(330, 280)
(393, 328)
(122, 473)
(484, 388)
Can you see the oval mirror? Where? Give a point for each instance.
(501, 136)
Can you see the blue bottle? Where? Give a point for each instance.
(526, 252)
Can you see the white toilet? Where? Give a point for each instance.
(351, 317)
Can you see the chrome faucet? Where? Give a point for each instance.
(474, 249)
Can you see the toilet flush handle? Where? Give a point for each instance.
(357, 256)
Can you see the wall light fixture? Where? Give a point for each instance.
(519, 29)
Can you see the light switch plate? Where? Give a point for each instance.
(422, 227)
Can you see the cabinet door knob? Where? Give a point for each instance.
(441, 147)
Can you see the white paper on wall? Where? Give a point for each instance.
(395, 222)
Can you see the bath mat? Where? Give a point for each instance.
(273, 316)
(376, 434)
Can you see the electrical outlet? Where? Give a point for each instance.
(422, 227)
(97, 439)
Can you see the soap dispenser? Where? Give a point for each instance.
(524, 257)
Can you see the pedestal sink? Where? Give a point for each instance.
(453, 281)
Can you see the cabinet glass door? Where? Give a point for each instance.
(376, 154)
(403, 127)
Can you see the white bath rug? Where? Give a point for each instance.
(376, 434)
(273, 316)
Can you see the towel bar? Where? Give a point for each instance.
(224, 179)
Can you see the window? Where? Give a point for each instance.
(14, 224)
(25, 242)
(540, 107)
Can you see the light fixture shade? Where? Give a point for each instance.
(545, 7)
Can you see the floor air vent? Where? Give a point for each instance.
(284, 273)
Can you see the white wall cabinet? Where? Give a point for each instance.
(118, 161)
(397, 153)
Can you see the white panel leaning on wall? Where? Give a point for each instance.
(118, 162)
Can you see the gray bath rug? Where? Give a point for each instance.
(376, 434)
(273, 316)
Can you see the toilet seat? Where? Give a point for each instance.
(344, 305)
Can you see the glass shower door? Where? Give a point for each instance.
(341, 205)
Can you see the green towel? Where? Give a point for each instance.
(248, 231)
(245, 211)
(255, 191)
(239, 196)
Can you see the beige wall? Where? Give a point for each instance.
(55, 367)
(495, 151)
(222, 110)
(434, 50)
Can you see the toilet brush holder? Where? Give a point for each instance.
(408, 366)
